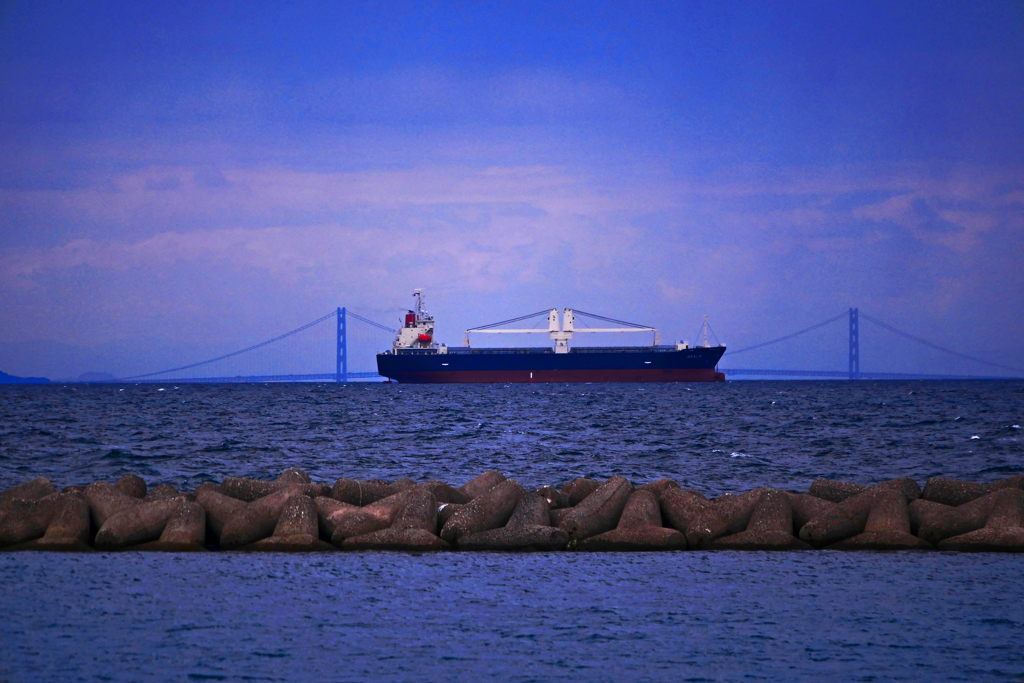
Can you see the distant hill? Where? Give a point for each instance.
(11, 379)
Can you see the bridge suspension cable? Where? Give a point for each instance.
(370, 322)
(790, 336)
(919, 340)
(236, 353)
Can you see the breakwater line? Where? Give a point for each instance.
(293, 513)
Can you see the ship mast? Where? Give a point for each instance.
(420, 304)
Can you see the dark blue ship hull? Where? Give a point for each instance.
(615, 364)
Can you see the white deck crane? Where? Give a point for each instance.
(561, 334)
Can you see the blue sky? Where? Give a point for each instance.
(178, 179)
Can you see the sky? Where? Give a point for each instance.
(179, 180)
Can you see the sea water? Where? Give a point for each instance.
(499, 616)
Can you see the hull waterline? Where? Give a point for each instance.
(555, 376)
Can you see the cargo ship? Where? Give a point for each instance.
(416, 358)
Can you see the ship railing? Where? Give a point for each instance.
(499, 350)
(661, 348)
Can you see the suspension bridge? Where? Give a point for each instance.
(853, 371)
(342, 318)
(341, 358)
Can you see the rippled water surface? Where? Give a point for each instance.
(460, 616)
(715, 437)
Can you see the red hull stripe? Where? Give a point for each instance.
(558, 376)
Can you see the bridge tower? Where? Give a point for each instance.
(854, 344)
(341, 365)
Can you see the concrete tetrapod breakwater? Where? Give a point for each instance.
(491, 512)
